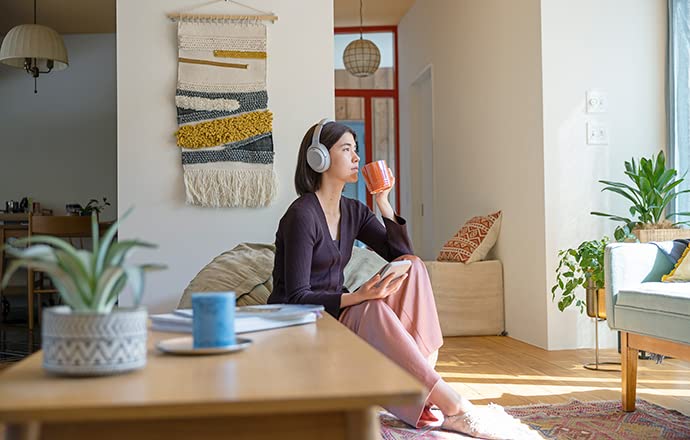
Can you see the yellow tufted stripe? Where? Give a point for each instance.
(226, 130)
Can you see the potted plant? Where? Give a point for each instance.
(653, 189)
(582, 267)
(94, 206)
(89, 335)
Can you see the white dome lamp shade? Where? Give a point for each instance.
(361, 57)
(34, 48)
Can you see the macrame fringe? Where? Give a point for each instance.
(220, 188)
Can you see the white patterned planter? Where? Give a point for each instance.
(92, 344)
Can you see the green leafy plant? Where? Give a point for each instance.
(94, 206)
(654, 188)
(579, 267)
(88, 281)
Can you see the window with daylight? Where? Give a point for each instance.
(679, 95)
(370, 105)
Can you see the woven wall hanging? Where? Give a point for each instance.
(224, 124)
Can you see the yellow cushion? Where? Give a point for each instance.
(682, 270)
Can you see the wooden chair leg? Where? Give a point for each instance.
(37, 319)
(628, 373)
(30, 298)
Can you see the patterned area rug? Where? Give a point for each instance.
(571, 421)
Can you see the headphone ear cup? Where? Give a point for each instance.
(318, 158)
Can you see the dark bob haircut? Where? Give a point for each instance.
(306, 179)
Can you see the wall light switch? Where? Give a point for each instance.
(597, 101)
(597, 133)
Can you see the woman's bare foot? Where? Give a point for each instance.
(490, 422)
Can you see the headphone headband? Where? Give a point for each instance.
(318, 156)
(317, 131)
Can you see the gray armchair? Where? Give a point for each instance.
(651, 315)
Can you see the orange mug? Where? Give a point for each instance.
(377, 176)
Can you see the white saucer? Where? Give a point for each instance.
(185, 345)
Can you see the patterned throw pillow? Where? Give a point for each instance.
(473, 241)
(680, 273)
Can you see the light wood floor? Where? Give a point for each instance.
(509, 372)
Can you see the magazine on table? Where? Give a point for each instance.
(247, 318)
(268, 311)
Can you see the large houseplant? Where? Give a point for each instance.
(88, 336)
(582, 267)
(654, 188)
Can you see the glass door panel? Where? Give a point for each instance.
(350, 111)
(383, 136)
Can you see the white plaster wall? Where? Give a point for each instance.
(300, 90)
(488, 148)
(619, 47)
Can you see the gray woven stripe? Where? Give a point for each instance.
(253, 150)
(245, 142)
(261, 96)
(250, 101)
(262, 157)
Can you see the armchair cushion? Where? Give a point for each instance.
(661, 297)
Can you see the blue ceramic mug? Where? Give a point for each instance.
(213, 319)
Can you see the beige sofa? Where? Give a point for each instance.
(469, 297)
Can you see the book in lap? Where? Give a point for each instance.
(247, 318)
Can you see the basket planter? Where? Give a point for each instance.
(93, 344)
(647, 235)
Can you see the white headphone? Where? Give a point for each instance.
(318, 157)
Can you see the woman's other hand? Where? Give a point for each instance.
(377, 288)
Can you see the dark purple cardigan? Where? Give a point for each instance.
(309, 264)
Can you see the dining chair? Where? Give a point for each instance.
(70, 228)
(12, 225)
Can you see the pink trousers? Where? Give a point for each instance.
(404, 327)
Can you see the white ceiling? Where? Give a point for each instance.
(375, 12)
(98, 16)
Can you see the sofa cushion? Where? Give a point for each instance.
(657, 296)
(246, 270)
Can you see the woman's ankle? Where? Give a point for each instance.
(448, 400)
(461, 407)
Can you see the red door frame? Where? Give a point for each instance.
(368, 94)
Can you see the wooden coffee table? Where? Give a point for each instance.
(315, 381)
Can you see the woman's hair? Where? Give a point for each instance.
(306, 179)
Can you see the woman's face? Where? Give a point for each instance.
(344, 159)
